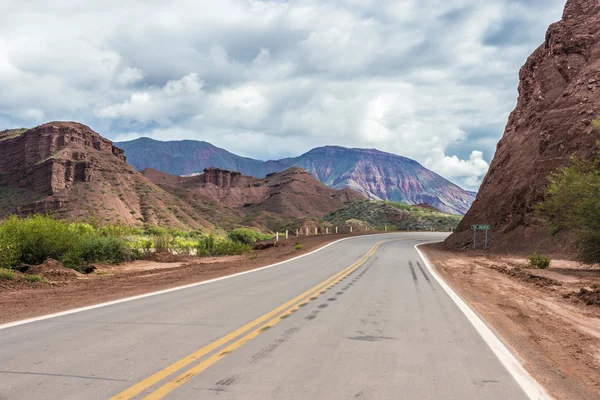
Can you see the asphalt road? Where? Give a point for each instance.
(356, 320)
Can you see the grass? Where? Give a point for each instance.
(33, 278)
(6, 274)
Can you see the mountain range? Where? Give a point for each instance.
(373, 173)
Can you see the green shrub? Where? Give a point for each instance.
(6, 274)
(33, 278)
(247, 236)
(210, 246)
(298, 247)
(163, 243)
(538, 260)
(34, 239)
(571, 204)
(97, 249)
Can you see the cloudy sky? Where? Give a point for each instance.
(433, 80)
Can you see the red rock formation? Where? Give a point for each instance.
(291, 193)
(559, 97)
(68, 170)
(43, 159)
(220, 177)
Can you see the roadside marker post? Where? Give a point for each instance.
(316, 231)
(350, 229)
(306, 231)
(480, 227)
(287, 236)
(336, 230)
(327, 231)
(297, 232)
(277, 236)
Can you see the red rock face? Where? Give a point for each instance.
(559, 97)
(220, 177)
(49, 157)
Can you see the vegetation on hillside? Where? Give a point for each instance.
(394, 216)
(34, 239)
(572, 203)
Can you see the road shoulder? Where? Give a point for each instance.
(556, 336)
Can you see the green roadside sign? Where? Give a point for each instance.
(480, 227)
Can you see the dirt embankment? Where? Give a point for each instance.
(550, 318)
(65, 289)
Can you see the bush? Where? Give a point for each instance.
(33, 240)
(298, 247)
(247, 236)
(163, 243)
(538, 260)
(571, 204)
(6, 274)
(210, 246)
(97, 249)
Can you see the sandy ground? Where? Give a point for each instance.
(542, 315)
(65, 289)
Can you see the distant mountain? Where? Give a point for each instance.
(383, 176)
(373, 173)
(185, 157)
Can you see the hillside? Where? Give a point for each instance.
(558, 100)
(375, 174)
(379, 214)
(287, 197)
(68, 170)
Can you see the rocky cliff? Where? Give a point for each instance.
(559, 97)
(67, 169)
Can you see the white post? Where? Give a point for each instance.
(277, 237)
(350, 229)
(316, 231)
(386, 228)
(286, 234)
(336, 230)
(297, 232)
(306, 231)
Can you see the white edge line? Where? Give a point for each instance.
(529, 385)
(141, 296)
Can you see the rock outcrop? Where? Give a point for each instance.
(559, 97)
(293, 193)
(220, 177)
(68, 170)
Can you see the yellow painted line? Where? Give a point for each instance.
(157, 377)
(183, 378)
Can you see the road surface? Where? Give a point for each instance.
(360, 319)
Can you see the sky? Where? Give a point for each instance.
(433, 80)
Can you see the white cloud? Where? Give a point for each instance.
(470, 171)
(430, 80)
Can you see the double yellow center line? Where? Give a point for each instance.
(258, 325)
